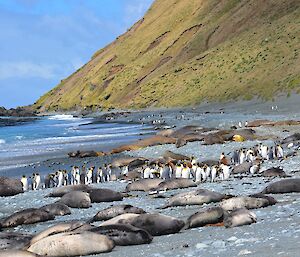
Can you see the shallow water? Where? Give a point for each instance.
(54, 136)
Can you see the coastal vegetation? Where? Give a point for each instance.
(183, 53)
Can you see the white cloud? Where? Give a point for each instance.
(26, 70)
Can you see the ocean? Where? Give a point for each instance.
(26, 141)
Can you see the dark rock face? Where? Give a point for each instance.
(10, 187)
(18, 112)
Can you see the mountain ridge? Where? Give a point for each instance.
(182, 53)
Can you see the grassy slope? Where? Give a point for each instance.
(185, 52)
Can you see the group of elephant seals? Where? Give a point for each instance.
(283, 186)
(72, 244)
(155, 224)
(76, 199)
(27, 216)
(239, 217)
(196, 197)
(115, 211)
(10, 186)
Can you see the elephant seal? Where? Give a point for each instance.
(242, 168)
(175, 183)
(207, 216)
(271, 199)
(60, 191)
(56, 229)
(27, 216)
(131, 162)
(10, 187)
(274, 172)
(239, 217)
(174, 156)
(283, 186)
(17, 253)
(244, 202)
(143, 185)
(72, 244)
(196, 197)
(57, 209)
(104, 195)
(291, 139)
(13, 240)
(155, 224)
(76, 199)
(114, 211)
(124, 234)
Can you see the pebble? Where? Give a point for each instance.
(231, 239)
(218, 244)
(244, 252)
(201, 246)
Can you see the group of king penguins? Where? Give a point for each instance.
(201, 172)
(189, 170)
(75, 176)
(192, 169)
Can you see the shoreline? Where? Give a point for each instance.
(274, 223)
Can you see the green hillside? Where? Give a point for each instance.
(184, 52)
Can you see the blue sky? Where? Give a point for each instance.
(44, 41)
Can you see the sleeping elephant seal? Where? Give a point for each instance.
(13, 240)
(57, 209)
(114, 211)
(242, 168)
(176, 183)
(10, 186)
(56, 229)
(155, 224)
(271, 199)
(124, 234)
(17, 253)
(72, 244)
(27, 216)
(244, 202)
(104, 195)
(196, 197)
(76, 199)
(274, 172)
(60, 191)
(175, 156)
(283, 186)
(143, 185)
(239, 217)
(205, 217)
